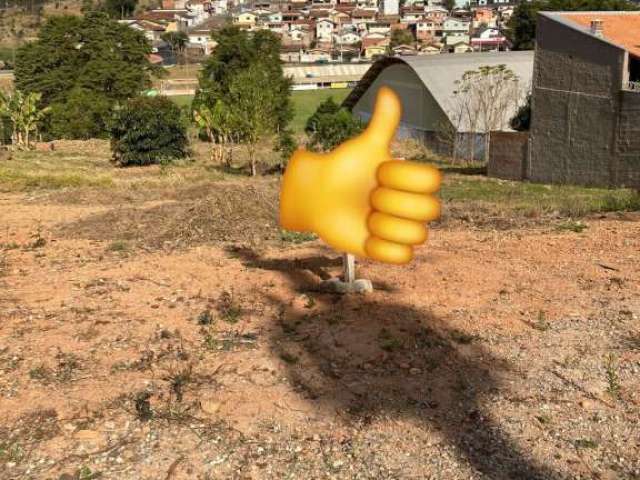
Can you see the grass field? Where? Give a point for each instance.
(304, 103)
(86, 165)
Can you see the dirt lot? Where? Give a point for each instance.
(164, 335)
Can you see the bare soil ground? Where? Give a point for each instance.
(176, 334)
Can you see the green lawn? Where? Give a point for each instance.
(304, 103)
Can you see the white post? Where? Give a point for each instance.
(349, 265)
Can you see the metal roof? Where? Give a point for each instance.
(439, 73)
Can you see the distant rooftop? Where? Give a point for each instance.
(620, 28)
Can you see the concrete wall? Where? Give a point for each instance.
(576, 105)
(508, 155)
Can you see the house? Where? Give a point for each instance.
(426, 85)
(455, 30)
(362, 17)
(488, 39)
(390, 7)
(374, 51)
(404, 50)
(429, 49)
(202, 38)
(585, 99)
(346, 38)
(484, 17)
(412, 15)
(379, 27)
(460, 47)
(324, 30)
(314, 55)
(437, 14)
(247, 19)
(427, 30)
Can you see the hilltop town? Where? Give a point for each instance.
(336, 31)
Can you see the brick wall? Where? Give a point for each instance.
(508, 155)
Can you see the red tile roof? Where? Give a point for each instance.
(621, 28)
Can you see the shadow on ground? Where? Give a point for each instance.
(366, 358)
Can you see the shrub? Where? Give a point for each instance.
(331, 125)
(146, 131)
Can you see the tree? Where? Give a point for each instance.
(146, 131)
(449, 5)
(120, 8)
(401, 37)
(24, 115)
(93, 54)
(177, 41)
(522, 24)
(483, 100)
(224, 78)
(330, 125)
(522, 120)
(254, 108)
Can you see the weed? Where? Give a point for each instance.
(41, 373)
(611, 372)
(229, 310)
(205, 317)
(117, 246)
(310, 303)
(85, 473)
(179, 380)
(544, 419)
(290, 358)
(542, 324)
(462, 337)
(9, 246)
(68, 363)
(143, 406)
(572, 226)
(296, 237)
(387, 341)
(585, 443)
(37, 240)
(633, 341)
(11, 452)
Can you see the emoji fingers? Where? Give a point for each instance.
(402, 205)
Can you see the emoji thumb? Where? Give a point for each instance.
(385, 119)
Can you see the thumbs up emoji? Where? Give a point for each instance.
(359, 200)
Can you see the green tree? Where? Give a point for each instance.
(218, 123)
(521, 27)
(146, 131)
(93, 54)
(330, 125)
(254, 107)
(24, 115)
(120, 8)
(401, 37)
(224, 78)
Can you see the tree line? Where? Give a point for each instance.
(84, 77)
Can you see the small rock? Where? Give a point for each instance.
(404, 366)
(415, 371)
(210, 407)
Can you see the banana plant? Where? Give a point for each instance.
(24, 114)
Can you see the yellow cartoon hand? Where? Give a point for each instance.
(357, 198)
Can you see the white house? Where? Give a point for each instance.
(324, 30)
(455, 30)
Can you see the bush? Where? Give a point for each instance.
(331, 125)
(146, 131)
